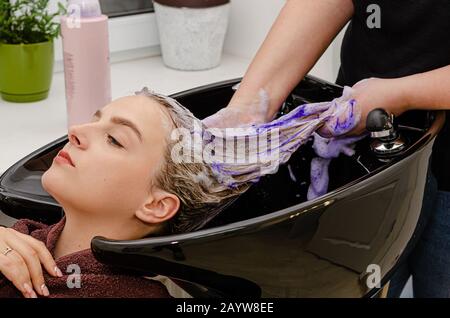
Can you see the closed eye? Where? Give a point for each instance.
(113, 141)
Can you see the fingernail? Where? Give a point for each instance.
(45, 290)
(27, 288)
(58, 272)
(33, 294)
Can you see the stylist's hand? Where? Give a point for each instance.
(241, 115)
(378, 93)
(22, 265)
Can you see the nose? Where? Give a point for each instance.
(77, 136)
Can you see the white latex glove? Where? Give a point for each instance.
(240, 116)
(347, 115)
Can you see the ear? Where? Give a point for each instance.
(160, 206)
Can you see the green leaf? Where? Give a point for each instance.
(28, 21)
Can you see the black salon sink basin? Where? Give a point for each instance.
(272, 242)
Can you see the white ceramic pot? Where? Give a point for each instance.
(192, 38)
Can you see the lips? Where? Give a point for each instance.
(66, 157)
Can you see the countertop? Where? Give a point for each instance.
(26, 127)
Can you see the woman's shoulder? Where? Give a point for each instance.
(144, 287)
(27, 226)
(101, 280)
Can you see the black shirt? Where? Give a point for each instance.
(395, 38)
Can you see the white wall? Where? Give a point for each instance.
(251, 20)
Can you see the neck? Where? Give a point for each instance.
(80, 229)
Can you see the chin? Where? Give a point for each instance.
(54, 183)
(68, 193)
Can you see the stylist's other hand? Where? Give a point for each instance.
(22, 264)
(378, 93)
(241, 115)
(359, 101)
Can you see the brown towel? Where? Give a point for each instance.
(96, 279)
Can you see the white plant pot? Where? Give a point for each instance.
(192, 38)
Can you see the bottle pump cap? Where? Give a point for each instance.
(86, 8)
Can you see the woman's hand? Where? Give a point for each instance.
(242, 115)
(378, 93)
(20, 262)
(362, 98)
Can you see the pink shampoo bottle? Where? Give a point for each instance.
(85, 41)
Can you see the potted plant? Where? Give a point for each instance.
(192, 32)
(27, 31)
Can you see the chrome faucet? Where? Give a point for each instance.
(387, 141)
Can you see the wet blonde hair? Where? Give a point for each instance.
(201, 194)
(206, 187)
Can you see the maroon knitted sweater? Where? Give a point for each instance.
(94, 279)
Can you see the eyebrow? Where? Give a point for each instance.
(123, 122)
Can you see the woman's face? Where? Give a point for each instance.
(115, 158)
